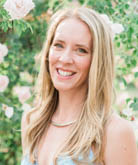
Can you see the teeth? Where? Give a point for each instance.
(63, 73)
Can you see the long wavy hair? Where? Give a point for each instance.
(89, 130)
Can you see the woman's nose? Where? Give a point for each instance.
(66, 56)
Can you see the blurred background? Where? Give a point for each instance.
(23, 25)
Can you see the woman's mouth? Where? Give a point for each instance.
(65, 73)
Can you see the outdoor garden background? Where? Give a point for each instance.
(23, 24)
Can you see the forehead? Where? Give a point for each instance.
(75, 30)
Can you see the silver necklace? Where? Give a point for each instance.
(62, 125)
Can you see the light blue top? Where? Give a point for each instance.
(61, 160)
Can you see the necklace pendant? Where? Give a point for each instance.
(62, 125)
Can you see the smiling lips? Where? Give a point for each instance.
(65, 73)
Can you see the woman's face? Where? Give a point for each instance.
(70, 55)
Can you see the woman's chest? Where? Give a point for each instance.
(49, 144)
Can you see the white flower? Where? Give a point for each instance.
(117, 28)
(9, 112)
(127, 112)
(22, 92)
(18, 9)
(26, 107)
(3, 52)
(4, 80)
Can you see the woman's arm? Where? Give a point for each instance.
(120, 148)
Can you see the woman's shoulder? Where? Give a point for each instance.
(117, 124)
(120, 141)
(24, 126)
(24, 122)
(27, 117)
(118, 128)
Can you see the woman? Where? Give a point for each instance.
(73, 123)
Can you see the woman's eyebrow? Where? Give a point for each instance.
(79, 45)
(82, 45)
(57, 40)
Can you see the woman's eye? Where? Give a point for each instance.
(81, 50)
(58, 45)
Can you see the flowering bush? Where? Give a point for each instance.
(4, 80)
(18, 9)
(23, 24)
(115, 27)
(23, 93)
(3, 52)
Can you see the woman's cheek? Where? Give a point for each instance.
(52, 56)
(84, 63)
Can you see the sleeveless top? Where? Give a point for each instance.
(61, 160)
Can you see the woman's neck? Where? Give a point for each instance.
(69, 106)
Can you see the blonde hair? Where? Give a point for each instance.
(89, 130)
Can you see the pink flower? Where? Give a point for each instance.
(18, 9)
(3, 52)
(4, 80)
(23, 93)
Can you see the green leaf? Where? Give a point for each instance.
(30, 27)
(131, 30)
(124, 81)
(10, 24)
(136, 74)
(133, 62)
(136, 100)
(118, 44)
(51, 4)
(127, 100)
(134, 51)
(4, 26)
(126, 6)
(134, 106)
(2, 2)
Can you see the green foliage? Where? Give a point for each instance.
(134, 105)
(24, 39)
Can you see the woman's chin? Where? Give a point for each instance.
(62, 89)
